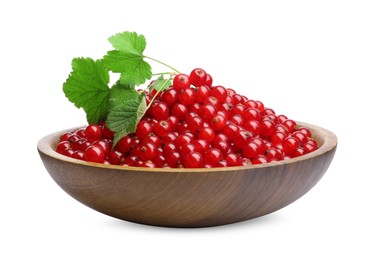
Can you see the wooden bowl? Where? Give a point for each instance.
(189, 197)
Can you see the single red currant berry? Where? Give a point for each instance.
(236, 99)
(220, 138)
(152, 138)
(252, 114)
(159, 110)
(179, 111)
(115, 157)
(298, 152)
(147, 151)
(193, 160)
(201, 94)
(65, 137)
(181, 81)
(260, 105)
(267, 128)
(62, 146)
(222, 163)
(190, 115)
(222, 146)
(160, 161)
(173, 159)
(251, 104)
(290, 144)
(73, 138)
(308, 148)
(93, 132)
(290, 125)
(232, 159)
(312, 142)
(230, 130)
(253, 126)
(78, 155)
(207, 134)
(182, 140)
(227, 107)
(217, 122)
(213, 156)
(186, 149)
(162, 128)
(125, 144)
(186, 96)
(278, 137)
(169, 148)
(282, 118)
(281, 128)
(270, 117)
(104, 144)
(77, 145)
(68, 152)
(81, 134)
(143, 129)
(250, 150)
(260, 160)
(169, 96)
(212, 100)
(272, 154)
(230, 92)
(169, 137)
(209, 80)
(220, 93)
(300, 136)
(239, 109)
(242, 137)
(198, 77)
(107, 133)
(173, 122)
(182, 128)
(260, 143)
(208, 111)
(130, 160)
(305, 131)
(195, 107)
(268, 111)
(94, 153)
(237, 119)
(201, 145)
(194, 124)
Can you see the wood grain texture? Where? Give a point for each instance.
(189, 197)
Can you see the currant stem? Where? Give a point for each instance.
(158, 91)
(162, 63)
(164, 73)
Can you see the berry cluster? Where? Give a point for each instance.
(193, 124)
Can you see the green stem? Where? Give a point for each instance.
(162, 63)
(163, 73)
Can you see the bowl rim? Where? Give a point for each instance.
(328, 142)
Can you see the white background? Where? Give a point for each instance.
(310, 60)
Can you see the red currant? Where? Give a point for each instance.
(198, 77)
(181, 81)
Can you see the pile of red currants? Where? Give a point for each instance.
(193, 124)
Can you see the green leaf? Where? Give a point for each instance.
(128, 42)
(160, 84)
(87, 87)
(134, 70)
(121, 93)
(123, 118)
